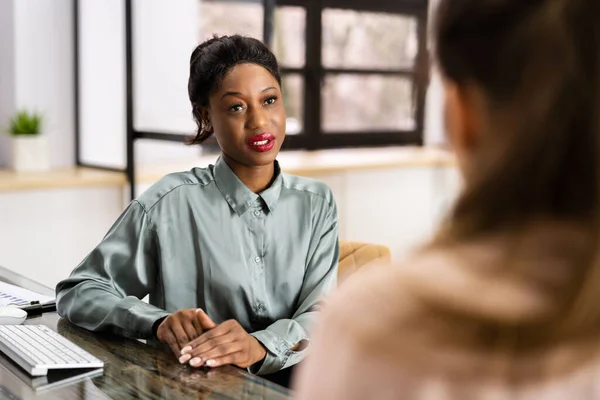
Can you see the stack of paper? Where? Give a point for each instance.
(11, 294)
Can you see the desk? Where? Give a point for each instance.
(134, 370)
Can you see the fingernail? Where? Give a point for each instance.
(186, 349)
(195, 361)
(184, 358)
(211, 363)
(199, 310)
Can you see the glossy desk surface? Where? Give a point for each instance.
(134, 370)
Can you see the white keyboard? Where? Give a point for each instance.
(37, 348)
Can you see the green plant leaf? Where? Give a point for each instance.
(26, 123)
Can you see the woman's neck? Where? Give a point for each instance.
(256, 178)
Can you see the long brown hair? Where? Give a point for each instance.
(537, 62)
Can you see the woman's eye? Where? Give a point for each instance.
(271, 100)
(236, 107)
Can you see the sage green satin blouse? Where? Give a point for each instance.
(203, 239)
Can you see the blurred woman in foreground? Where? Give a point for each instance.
(505, 301)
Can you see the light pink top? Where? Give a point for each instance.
(470, 322)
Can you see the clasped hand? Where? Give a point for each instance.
(195, 339)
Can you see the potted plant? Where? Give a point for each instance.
(29, 145)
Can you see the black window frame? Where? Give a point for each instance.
(313, 137)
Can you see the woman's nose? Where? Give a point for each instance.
(257, 119)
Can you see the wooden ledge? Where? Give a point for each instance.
(321, 162)
(304, 163)
(59, 178)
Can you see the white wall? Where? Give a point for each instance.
(44, 234)
(7, 72)
(434, 114)
(434, 106)
(43, 69)
(36, 72)
(165, 34)
(399, 208)
(102, 82)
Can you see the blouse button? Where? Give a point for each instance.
(257, 259)
(257, 213)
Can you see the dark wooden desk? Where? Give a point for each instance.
(134, 370)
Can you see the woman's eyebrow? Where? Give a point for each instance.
(232, 93)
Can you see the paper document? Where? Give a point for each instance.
(11, 294)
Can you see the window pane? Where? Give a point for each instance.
(231, 17)
(354, 39)
(289, 39)
(367, 102)
(293, 97)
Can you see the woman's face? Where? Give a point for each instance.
(247, 115)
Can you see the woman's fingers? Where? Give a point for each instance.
(217, 352)
(197, 326)
(188, 353)
(228, 343)
(167, 336)
(211, 344)
(213, 333)
(205, 322)
(180, 334)
(183, 326)
(237, 358)
(190, 331)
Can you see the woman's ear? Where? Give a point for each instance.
(206, 121)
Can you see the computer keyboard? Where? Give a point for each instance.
(37, 348)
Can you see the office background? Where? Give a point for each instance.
(370, 98)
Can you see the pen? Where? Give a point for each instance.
(36, 308)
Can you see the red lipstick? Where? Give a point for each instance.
(262, 143)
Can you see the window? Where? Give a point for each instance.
(359, 68)
(230, 17)
(353, 71)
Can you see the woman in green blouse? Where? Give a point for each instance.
(236, 256)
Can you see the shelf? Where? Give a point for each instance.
(305, 163)
(59, 178)
(320, 162)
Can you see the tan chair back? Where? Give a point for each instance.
(356, 255)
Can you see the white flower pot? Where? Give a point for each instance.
(30, 153)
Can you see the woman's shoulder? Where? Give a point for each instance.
(468, 283)
(172, 183)
(387, 317)
(308, 187)
(442, 299)
(371, 307)
(432, 318)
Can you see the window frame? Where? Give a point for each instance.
(313, 136)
